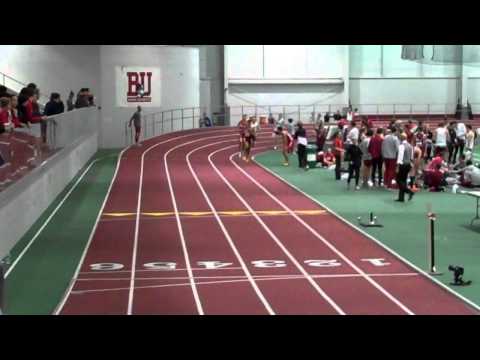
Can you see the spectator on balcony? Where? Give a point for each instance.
(91, 98)
(82, 99)
(70, 104)
(36, 97)
(7, 117)
(54, 106)
(3, 92)
(26, 107)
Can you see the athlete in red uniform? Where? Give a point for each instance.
(249, 140)
(242, 126)
(287, 142)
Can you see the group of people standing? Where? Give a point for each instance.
(285, 133)
(396, 156)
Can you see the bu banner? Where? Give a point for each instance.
(138, 86)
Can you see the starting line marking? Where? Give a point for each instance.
(221, 213)
(241, 279)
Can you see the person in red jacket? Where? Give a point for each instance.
(375, 150)
(338, 151)
(30, 115)
(7, 117)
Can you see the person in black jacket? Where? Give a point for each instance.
(54, 106)
(355, 162)
(301, 138)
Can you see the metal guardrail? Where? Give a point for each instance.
(166, 121)
(181, 119)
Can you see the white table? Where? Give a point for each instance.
(475, 194)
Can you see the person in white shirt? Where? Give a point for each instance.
(441, 137)
(276, 134)
(469, 139)
(471, 175)
(461, 131)
(349, 115)
(353, 134)
(290, 127)
(404, 163)
(280, 120)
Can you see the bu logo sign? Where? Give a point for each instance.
(139, 87)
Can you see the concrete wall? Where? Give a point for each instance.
(180, 83)
(23, 202)
(378, 75)
(211, 77)
(291, 63)
(54, 68)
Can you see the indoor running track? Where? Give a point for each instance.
(189, 228)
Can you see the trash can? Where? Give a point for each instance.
(312, 155)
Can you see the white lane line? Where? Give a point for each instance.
(224, 230)
(69, 289)
(246, 277)
(107, 195)
(326, 242)
(274, 237)
(47, 221)
(378, 242)
(182, 239)
(218, 282)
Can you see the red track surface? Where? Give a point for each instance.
(289, 263)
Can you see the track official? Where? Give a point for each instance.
(404, 163)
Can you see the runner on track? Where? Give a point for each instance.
(287, 143)
(242, 125)
(249, 139)
(137, 122)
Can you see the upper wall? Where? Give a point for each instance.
(54, 68)
(385, 61)
(180, 84)
(378, 75)
(286, 62)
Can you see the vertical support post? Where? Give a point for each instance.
(171, 120)
(432, 270)
(394, 112)
(193, 118)
(299, 112)
(126, 134)
(378, 112)
(182, 118)
(153, 125)
(162, 122)
(144, 127)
